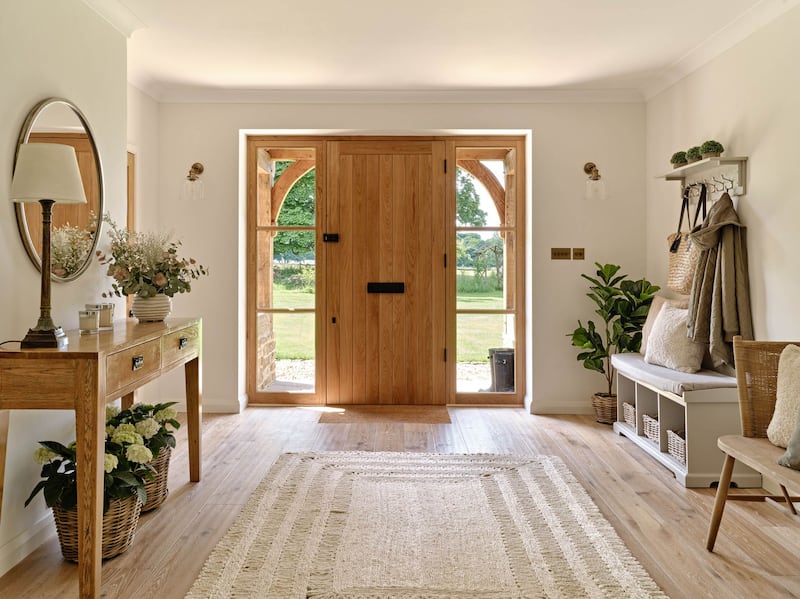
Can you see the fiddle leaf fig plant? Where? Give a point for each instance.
(622, 305)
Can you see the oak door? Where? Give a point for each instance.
(386, 273)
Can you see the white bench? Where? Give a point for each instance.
(702, 405)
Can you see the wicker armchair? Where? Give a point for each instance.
(756, 377)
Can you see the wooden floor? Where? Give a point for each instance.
(663, 524)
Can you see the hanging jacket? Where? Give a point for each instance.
(719, 303)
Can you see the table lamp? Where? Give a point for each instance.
(46, 173)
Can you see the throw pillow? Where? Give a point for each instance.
(652, 313)
(787, 397)
(669, 344)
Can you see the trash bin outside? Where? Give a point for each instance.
(501, 363)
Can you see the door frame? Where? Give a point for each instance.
(518, 140)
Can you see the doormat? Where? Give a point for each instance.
(378, 414)
(359, 525)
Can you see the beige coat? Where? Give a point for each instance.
(719, 303)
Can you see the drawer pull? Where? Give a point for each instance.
(183, 342)
(137, 362)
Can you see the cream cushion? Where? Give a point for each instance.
(787, 397)
(669, 345)
(655, 307)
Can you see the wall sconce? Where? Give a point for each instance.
(595, 187)
(193, 185)
(46, 173)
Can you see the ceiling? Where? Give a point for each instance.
(207, 49)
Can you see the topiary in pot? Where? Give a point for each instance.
(678, 159)
(622, 305)
(711, 148)
(693, 154)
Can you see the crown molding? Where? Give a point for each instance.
(117, 14)
(760, 15)
(181, 94)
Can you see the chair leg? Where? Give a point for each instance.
(719, 501)
(788, 499)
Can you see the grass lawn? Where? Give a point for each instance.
(475, 333)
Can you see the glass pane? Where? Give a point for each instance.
(484, 278)
(297, 207)
(285, 352)
(485, 352)
(286, 269)
(481, 197)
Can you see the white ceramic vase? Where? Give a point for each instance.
(151, 309)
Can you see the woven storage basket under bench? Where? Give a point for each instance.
(676, 417)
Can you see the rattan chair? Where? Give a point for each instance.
(756, 377)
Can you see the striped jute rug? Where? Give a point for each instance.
(358, 525)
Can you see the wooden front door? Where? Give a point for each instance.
(386, 273)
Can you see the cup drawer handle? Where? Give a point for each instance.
(183, 342)
(137, 362)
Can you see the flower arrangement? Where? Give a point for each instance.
(70, 246)
(133, 437)
(147, 264)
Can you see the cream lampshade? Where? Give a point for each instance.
(46, 173)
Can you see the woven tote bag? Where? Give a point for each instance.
(683, 254)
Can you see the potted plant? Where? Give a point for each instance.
(156, 424)
(711, 148)
(694, 154)
(126, 465)
(622, 305)
(147, 265)
(679, 159)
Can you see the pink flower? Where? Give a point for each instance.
(160, 279)
(120, 273)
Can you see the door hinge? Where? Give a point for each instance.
(445, 354)
(330, 237)
(445, 260)
(445, 166)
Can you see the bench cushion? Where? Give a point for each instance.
(633, 366)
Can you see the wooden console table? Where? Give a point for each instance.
(91, 371)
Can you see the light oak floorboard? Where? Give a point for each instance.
(663, 524)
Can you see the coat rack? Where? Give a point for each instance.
(719, 174)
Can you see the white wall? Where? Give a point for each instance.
(747, 99)
(565, 136)
(50, 49)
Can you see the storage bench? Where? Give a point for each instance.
(676, 417)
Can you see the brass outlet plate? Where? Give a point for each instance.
(560, 253)
(578, 254)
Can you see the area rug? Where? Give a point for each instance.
(392, 414)
(359, 525)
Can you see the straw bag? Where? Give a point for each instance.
(683, 254)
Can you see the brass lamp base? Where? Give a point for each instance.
(45, 338)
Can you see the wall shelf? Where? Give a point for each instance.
(695, 170)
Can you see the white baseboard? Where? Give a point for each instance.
(18, 548)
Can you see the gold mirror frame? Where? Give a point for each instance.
(96, 191)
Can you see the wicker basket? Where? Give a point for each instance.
(676, 445)
(651, 428)
(157, 488)
(119, 528)
(605, 408)
(629, 413)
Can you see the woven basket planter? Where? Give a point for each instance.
(676, 445)
(119, 528)
(652, 430)
(157, 488)
(605, 408)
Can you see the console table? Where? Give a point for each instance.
(91, 371)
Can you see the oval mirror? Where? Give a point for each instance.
(75, 227)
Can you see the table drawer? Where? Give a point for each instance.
(130, 365)
(180, 345)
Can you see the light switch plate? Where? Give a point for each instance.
(560, 253)
(578, 254)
